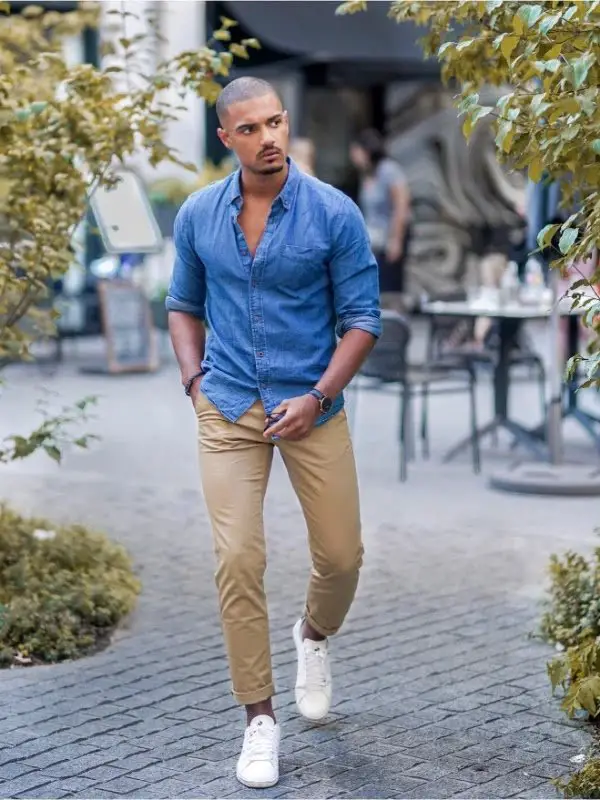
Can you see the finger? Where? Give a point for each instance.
(275, 430)
(283, 406)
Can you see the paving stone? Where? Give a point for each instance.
(436, 682)
(121, 785)
(32, 780)
(14, 770)
(448, 786)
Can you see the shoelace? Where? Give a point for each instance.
(259, 744)
(316, 675)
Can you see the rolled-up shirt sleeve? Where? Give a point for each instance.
(354, 274)
(187, 289)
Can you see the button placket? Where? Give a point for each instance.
(257, 323)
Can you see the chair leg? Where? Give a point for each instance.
(542, 387)
(474, 436)
(425, 420)
(404, 414)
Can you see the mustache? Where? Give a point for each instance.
(269, 151)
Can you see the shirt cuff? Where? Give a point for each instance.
(172, 304)
(362, 322)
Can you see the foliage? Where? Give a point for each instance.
(62, 589)
(52, 435)
(584, 783)
(63, 132)
(546, 57)
(572, 622)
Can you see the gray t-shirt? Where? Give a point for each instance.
(375, 200)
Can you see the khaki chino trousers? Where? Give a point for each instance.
(235, 461)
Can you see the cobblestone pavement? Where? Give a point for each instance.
(439, 691)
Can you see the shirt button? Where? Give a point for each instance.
(260, 355)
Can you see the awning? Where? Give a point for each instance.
(312, 29)
(16, 6)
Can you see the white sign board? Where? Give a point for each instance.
(125, 218)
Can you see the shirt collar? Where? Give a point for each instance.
(286, 195)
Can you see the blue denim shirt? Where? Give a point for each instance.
(273, 319)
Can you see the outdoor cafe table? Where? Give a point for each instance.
(508, 317)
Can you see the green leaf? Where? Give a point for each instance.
(351, 7)
(53, 452)
(581, 67)
(222, 36)
(545, 236)
(549, 22)
(481, 112)
(591, 311)
(239, 50)
(567, 240)
(518, 26)
(535, 170)
(508, 45)
(530, 14)
(557, 672)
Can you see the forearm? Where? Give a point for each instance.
(399, 216)
(188, 336)
(349, 355)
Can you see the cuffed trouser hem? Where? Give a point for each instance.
(319, 628)
(258, 696)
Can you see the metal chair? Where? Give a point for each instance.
(449, 341)
(388, 364)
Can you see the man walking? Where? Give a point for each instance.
(276, 263)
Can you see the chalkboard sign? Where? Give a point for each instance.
(127, 326)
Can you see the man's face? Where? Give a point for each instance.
(257, 131)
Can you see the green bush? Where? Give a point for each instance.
(572, 622)
(62, 589)
(585, 783)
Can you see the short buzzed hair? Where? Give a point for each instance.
(246, 88)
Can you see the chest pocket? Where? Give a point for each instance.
(301, 267)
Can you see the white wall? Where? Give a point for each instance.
(181, 23)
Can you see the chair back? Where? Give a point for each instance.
(387, 362)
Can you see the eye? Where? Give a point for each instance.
(276, 122)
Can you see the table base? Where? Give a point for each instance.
(564, 480)
(520, 434)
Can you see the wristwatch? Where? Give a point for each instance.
(325, 402)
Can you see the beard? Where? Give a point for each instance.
(269, 169)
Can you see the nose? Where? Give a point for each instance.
(267, 139)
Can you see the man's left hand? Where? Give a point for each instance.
(300, 415)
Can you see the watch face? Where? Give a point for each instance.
(326, 404)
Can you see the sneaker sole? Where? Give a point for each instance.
(258, 784)
(299, 654)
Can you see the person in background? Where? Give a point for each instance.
(384, 199)
(303, 153)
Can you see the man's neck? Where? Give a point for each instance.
(263, 187)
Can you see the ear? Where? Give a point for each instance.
(224, 138)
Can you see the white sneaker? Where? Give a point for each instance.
(313, 684)
(258, 765)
